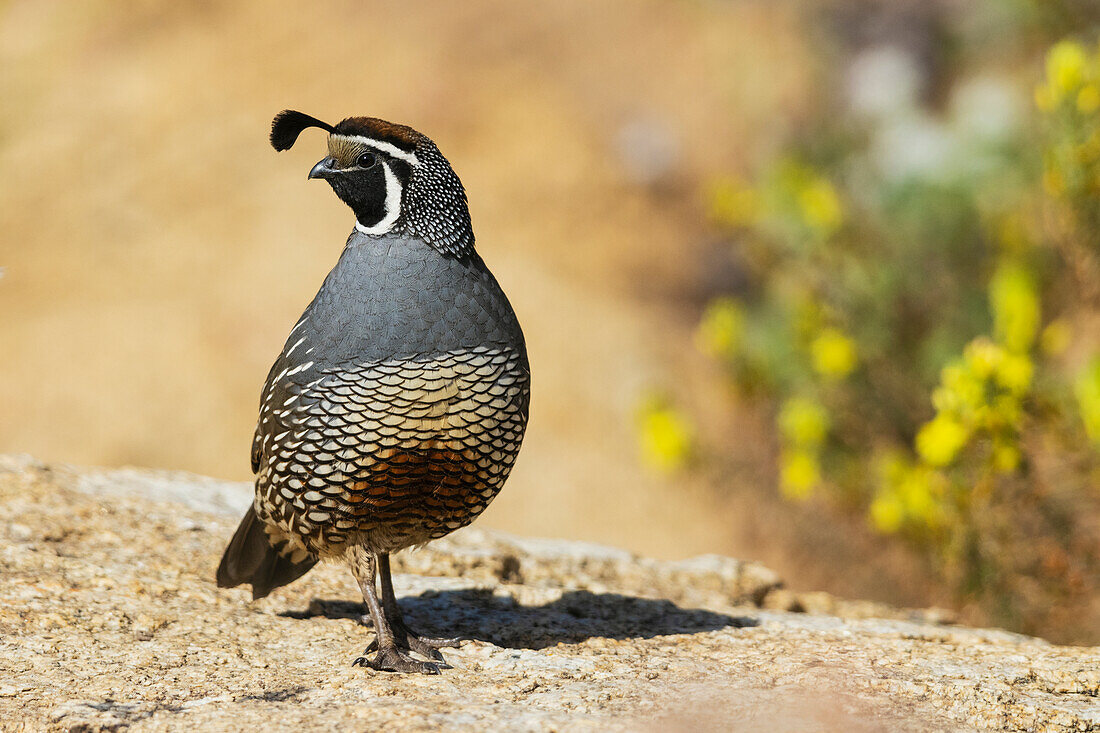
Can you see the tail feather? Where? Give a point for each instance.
(251, 558)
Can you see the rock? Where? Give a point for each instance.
(110, 619)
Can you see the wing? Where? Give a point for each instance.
(288, 375)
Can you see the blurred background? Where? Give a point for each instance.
(813, 283)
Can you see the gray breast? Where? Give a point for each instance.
(395, 297)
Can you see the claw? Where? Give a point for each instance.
(392, 659)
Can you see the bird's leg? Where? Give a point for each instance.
(389, 657)
(425, 645)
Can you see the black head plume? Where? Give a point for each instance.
(288, 124)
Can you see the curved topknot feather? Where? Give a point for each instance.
(288, 124)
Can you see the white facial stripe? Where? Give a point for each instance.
(388, 148)
(392, 205)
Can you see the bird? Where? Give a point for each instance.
(397, 408)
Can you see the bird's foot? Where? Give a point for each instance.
(425, 646)
(391, 659)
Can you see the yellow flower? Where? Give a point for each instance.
(1015, 304)
(887, 513)
(946, 400)
(833, 353)
(665, 435)
(982, 418)
(1014, 373)
(799, 474)
(1088, 99)
(803, 422)
(1055, 337)
(1006, 410)
(1006, 457)
(940, 440)
(1087, 390)
(983, 357)
(918, 493)
(906, 494)
(821, 207)
(734, 203)
(961, 390)
(1067, 64)
(719, 332)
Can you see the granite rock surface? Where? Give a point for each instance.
(110, 620)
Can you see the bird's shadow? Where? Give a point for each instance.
(576, 616)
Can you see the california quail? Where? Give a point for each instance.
(396, 409)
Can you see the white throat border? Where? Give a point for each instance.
(392, 206)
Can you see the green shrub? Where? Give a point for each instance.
(911, 326)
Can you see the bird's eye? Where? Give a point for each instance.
(366, 160)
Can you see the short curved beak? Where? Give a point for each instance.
(323, 169)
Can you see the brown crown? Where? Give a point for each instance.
(402, 136)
